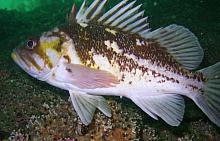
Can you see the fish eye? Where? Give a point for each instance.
(31, 44)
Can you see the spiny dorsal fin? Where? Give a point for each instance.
(71, 17)
(179, 41)
(124, 16)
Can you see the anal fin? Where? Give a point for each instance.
(85, 105)
(170, 107)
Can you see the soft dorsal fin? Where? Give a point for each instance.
(124, 16)
(181, 43)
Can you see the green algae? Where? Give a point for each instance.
(28, 5)
(22, 96)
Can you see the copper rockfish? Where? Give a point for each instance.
(115, 53)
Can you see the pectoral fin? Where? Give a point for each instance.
(85, 105)
(89, 78)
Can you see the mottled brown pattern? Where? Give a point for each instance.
(67, 58)
(93, 36)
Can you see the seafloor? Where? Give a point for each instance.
(33, 110)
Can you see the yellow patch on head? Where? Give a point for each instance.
(51, 43)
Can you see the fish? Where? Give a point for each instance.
(115, 53)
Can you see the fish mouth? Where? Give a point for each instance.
(21, 62)
(17, 59)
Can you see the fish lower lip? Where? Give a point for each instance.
(14, 56)
(17, 59)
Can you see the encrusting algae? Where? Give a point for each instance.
(59, 123)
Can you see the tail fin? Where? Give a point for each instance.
(209, 101)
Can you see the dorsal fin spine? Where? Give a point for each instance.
(88, 10)
(119, 13)
(79, 13)
(127, 14)
(138, 29)
(103, 17)
(133, 25)
(98, 10)
(143, 33)
(152, 33)
(131, 19)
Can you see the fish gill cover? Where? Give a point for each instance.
(36, 110)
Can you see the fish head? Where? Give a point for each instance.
(38, 56)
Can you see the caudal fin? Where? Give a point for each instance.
(209, 101)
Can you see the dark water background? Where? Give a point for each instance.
(22, 96)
